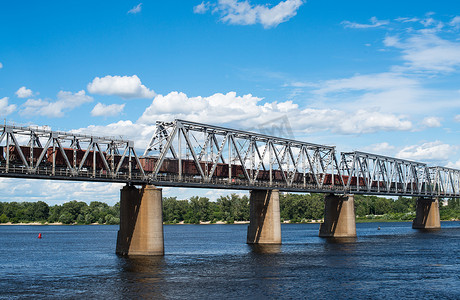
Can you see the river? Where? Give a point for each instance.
(213, 261)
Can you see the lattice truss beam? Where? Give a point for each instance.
(377, 173)
(446, 181)
(209, 152)
(36, 150)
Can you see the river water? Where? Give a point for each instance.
(213, 261)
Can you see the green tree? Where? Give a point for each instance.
(3, 218)
(66, 218)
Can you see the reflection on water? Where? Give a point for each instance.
(142, 264)
(340, 240)
(265, 248)
(214, 261)
(140, 277)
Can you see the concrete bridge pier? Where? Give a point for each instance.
(141, 221)
(427, 214)
(339, 217)
(265, 222)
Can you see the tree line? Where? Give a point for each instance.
(293, 207)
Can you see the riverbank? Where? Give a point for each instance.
(225, 223)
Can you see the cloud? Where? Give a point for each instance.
(374, 23)
(429, 151)
(136, 9)
(380, 148)
(455, 165)
(66, 101)
(407, 20)
(455, 22)
(247, 112)
(1, 65)
(140, 133)
(432, 122)
(370, 82)
(408, 86)
(107, 110)
(58, 192)
(24, 92)
(426, 52)
(345, 122)
(5, 108)
(202, 8)
(244, 13)
(457, 118)
(126, 87)
(389, 92)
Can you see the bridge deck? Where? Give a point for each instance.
(136, 178)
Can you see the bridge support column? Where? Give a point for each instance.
(141, 221)
(427, 214)
(265, 222)
(339, 217)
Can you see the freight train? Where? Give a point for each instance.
(171, 166)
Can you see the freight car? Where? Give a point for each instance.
(15, 157)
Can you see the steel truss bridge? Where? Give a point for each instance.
(189, 154)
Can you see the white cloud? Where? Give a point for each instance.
(455, 22)
(246, 112)
(1, 65)
(403, 87)
(140, 133)
(202, 8)
(380, 148)
(218, 108)
(244, 13)
(66, 101)
(6, 109)
(345, 122)
(426, 52)
(136, 9)
(432, 122)
(58, 192)
(457, 118)
(407, 20)
(24, 92)
(388, 92)
(429, 151)
(107, 110)
(127, 87)
(455, 165)
(374, 23)
(379, 81)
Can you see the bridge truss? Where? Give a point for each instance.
(190, 154)
(39, 153)
(229, 157)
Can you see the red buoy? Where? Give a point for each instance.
(39, 235)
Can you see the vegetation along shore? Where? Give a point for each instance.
(232, 209)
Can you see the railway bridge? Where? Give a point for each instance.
(190, 154)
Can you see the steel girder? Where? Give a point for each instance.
(296, 163)
(78, 154)
(446, 181)
(261, 161)
(382, 174)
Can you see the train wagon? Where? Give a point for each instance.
(15, 158)
(69, 153)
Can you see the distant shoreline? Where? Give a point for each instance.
(216, 223)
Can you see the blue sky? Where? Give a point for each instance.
(378, 76)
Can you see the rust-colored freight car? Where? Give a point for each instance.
(69, 153)
(15, 158)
